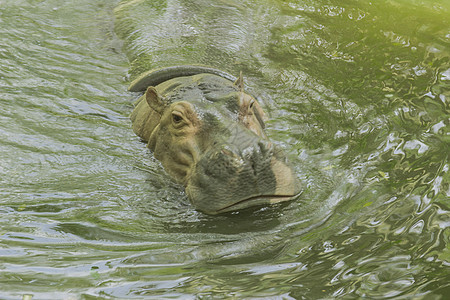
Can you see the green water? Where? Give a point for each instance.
(358, 94)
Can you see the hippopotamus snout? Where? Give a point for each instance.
(245, 171)
(231, 160)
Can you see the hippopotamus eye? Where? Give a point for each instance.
(176, 118)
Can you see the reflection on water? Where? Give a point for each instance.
(358, 94)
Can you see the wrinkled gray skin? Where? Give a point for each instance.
(209, 135)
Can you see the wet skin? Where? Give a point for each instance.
(209, 135)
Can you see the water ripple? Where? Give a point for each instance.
(358, 98)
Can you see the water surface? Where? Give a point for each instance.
(358, 95)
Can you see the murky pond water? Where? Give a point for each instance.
(358, 94)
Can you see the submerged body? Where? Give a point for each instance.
(209, 135)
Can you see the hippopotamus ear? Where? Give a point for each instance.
(240, 82)
(155, 100)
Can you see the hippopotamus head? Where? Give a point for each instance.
(209, 135)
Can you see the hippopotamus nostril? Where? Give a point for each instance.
(227, 152)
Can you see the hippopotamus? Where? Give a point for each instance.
(208, 133)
